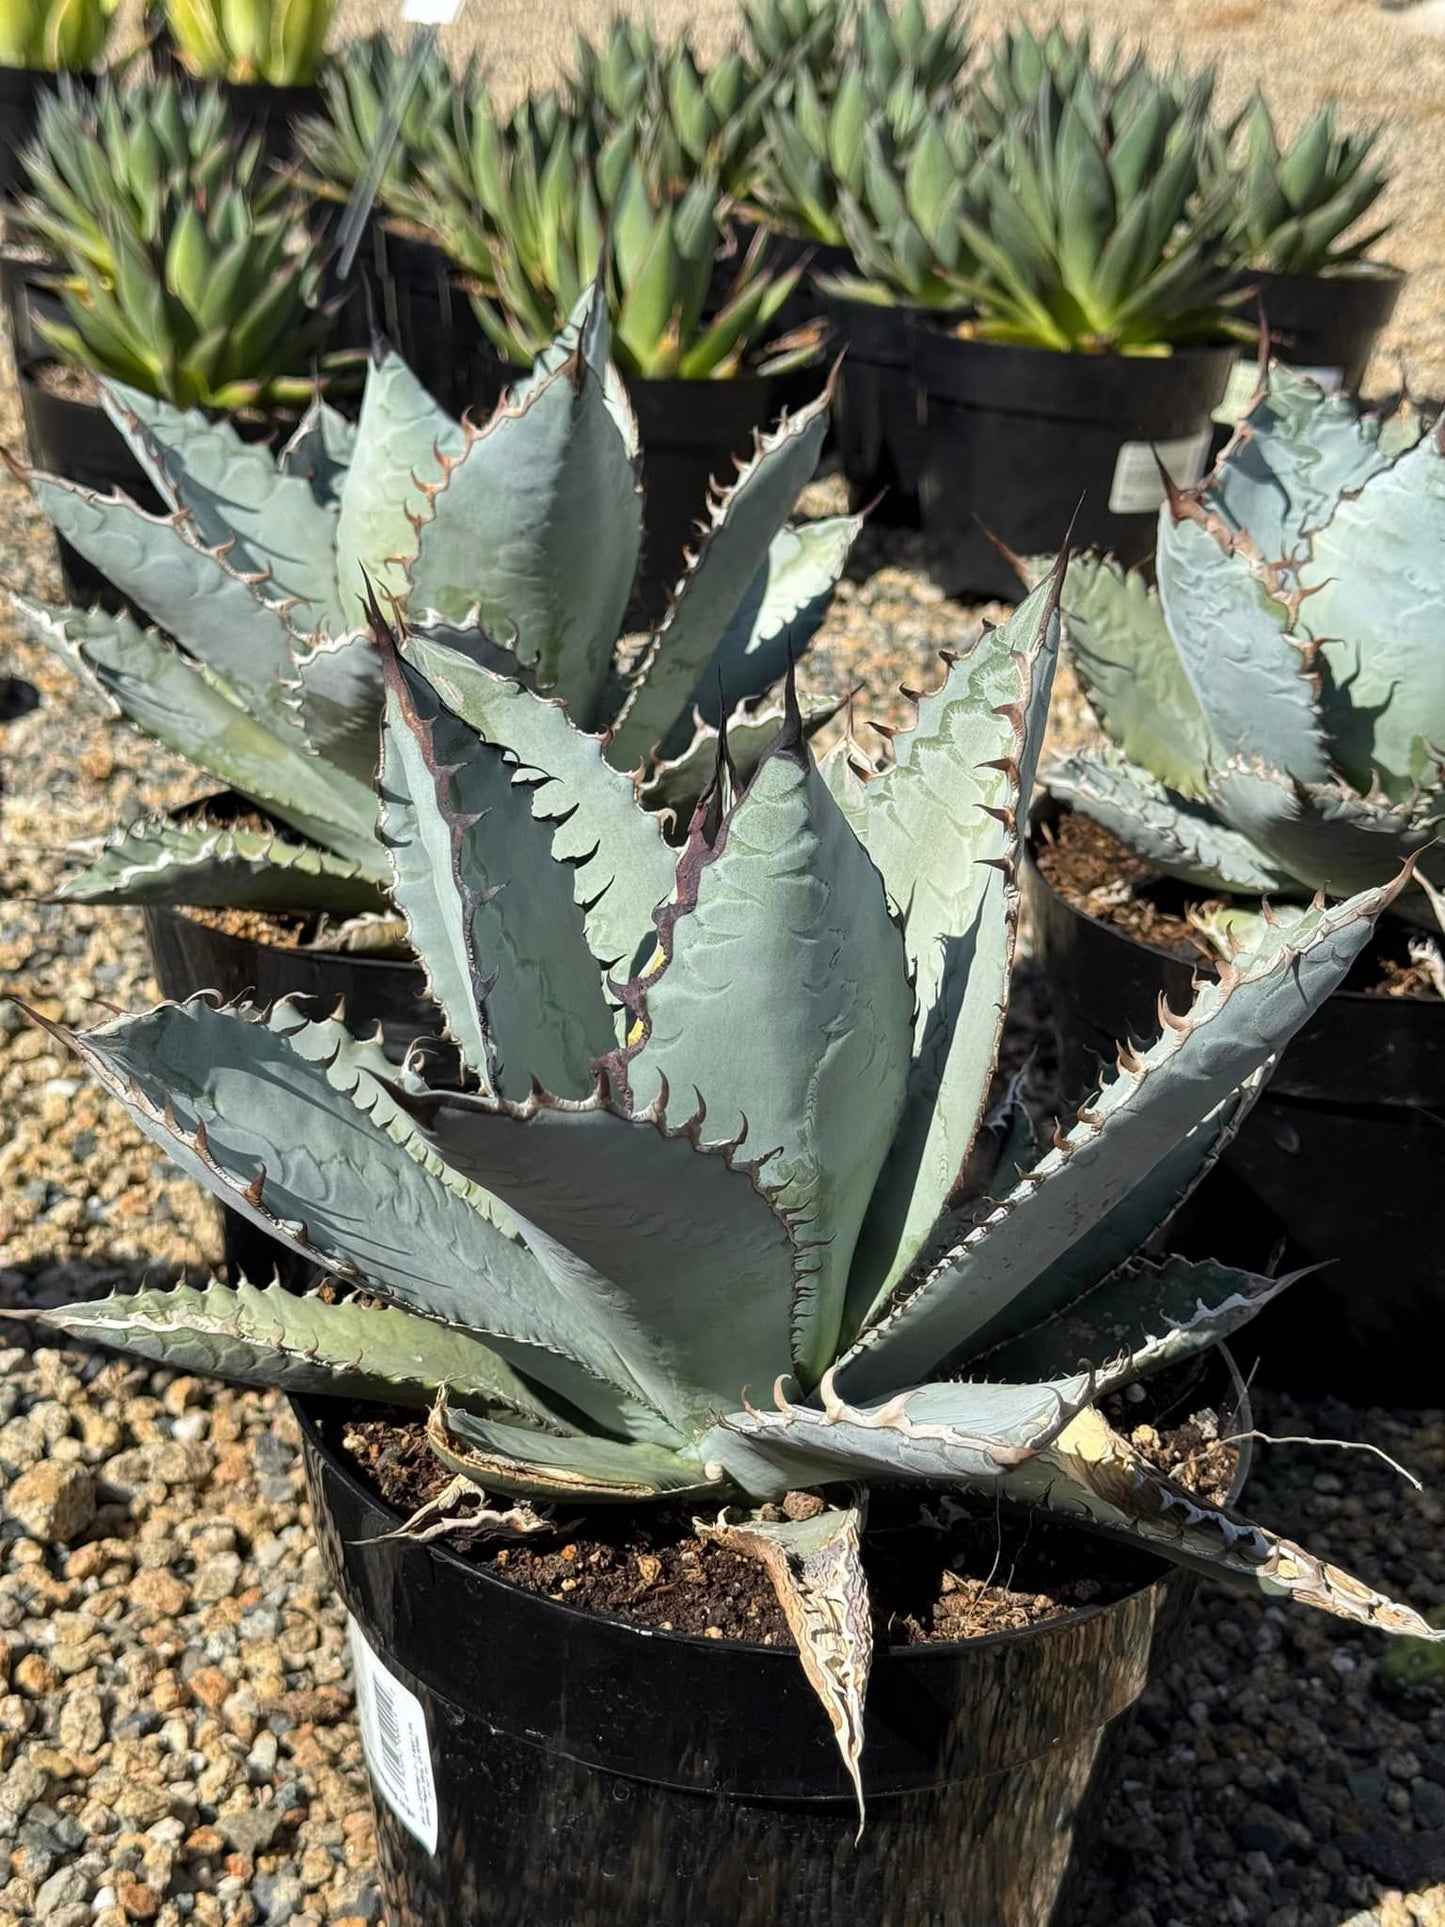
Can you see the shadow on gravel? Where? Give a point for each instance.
(17, 698)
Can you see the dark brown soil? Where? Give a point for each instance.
(939, 1568)
(1090, 868)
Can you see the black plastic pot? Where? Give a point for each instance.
(188, 956)
(691, 433)
(1326, 325)
(269, 114)
(1026, 441)
(429, 317)
(586, 1770)
(77, 440)
(876, 416)
(1340, 1160)
(20, 91)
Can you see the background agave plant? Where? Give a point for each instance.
(181, 274)
(1299, 202)
(65, 36)
(1101, 227)
(904, 225)
(519, 543)
(725, 1127)
(279, 42)
(1276, 708)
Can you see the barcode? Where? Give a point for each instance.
(388, 1728)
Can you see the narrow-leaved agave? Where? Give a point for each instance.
(1276, 708)
(527, 529)
(1299, 203)
(717, 1212)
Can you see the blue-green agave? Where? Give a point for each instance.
(718, 1210)
(1276, 708)
(516, 542)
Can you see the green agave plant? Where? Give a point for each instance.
(1298, 202)
(1098, 229)
(54, 36)
(180, 270)
(904, 226)
(545, 200)
(725, 1129)
(1276, 707)
(336, 145)
(780, 38)
(278, 42)
(518, 544)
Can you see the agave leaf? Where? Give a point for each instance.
(1137, 1320)
(190, 591)
(290, 1123)
(234, 491)
(677, 782)
(943, 827)
(944, 1433)
(195, 713)
(606, 1190)
(1252, 678)
(403, 443)
(816, 1566)
(1295, 454)
(158, 860)
(320, 452)
(1119, 1139)
(808, 1044)
(577, 1467)
(1374, 576)
(504, 535)
(338, 697)
(776, 620)
(732, 551)
(1324, 836)
(1094, 1478)
(271, 1336)
(491, 913)
(1124, 656)
(1182, 838)
(621, 866)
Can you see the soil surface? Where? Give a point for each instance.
(938, 1568)
(1091, 869)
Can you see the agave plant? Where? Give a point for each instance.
(1276, 708)
(904, 227)
(180, 271)
(335, 146)
(65, 36)
(1299, 203)
(545, 199)
(278, 42)
(782, 37)
(1101, 228)
(527, 529)
(724, 1128)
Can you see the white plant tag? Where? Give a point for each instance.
(394, 1739)
(431, 13)
(1138, 487)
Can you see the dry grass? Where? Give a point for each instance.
(1378, 63)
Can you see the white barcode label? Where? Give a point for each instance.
(1138, 487)
(394, 1739)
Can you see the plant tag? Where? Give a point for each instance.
(394, 1740)
(1138, 487)
(431, 13)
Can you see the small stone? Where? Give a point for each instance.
(37, 1676)
(159, 1592)
(803, 1505)
(137, 1900)
(60, 1890)
(251, 1830)
(211, 1687)
(81, 1725)
(217, 1578)
(54, 1502)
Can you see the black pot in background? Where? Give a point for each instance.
(1324, 325)
(78, 441)
(429, 318)
(691, 433)
(1027, 441)
(269, 114)
(1340, 1159)
(20, 91)
(876, 426)
(675, 1778)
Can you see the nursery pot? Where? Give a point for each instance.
(188, 956)
(1020, 443)
(1323, 325)
(1340, 1159)
(691, 433)
(429, 317)
(75, 439)
(268, 114)
(539, 1766)
(875, 407)
(20, 91)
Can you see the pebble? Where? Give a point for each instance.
(54, 1501)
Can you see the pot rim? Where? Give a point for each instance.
(1051, 807)
(1187, 352)
(935, 1650)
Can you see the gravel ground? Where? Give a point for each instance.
(177, 1738)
